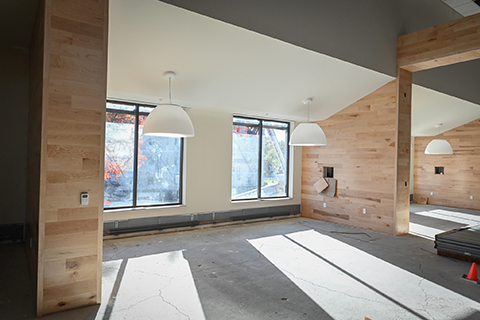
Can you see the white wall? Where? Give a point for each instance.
(208, 172)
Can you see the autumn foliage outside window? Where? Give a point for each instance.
(139, 170)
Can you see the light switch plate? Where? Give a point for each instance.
(84, 198)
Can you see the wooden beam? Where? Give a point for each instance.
(449, 43)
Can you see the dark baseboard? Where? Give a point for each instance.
(166, 222)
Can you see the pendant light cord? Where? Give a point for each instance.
(170, 89)
(308, 117)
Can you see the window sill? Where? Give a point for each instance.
(259, 200)
(143, 208)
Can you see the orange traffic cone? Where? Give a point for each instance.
(472, 275)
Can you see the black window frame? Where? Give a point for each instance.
(260, 159)
(136, 112)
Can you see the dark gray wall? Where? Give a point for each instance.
(16, 27)
(361, 32)
(13, 132)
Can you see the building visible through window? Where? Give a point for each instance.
(139, 170)
(259, 158)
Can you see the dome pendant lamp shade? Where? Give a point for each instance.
(169, 120)
(308, 134)
(439, 146)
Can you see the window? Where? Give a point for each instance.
(139, 170)
(438, 170)
(259, 158)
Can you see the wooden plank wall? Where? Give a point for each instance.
(449, 43)
(72, 154)
(361, 146)
(462, 169)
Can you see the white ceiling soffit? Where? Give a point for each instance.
(431, 107)
(221, 67)
(464, 7)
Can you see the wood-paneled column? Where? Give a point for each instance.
(67, 106)
(402, 159)
(449, 43)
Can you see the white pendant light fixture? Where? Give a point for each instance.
(169, 120)
(308, 134)
(439, 146)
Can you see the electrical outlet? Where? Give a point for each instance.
(471, 197)
(431, 193)
(364, 211)
(324, 204)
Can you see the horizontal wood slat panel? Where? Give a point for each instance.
(77, 213)
(70, 252)
(68, 227)
(66, 290)
(57, 304)
(362, 152)
(54, 280)
(85, 29)
(89, 11)
(462, 169)
(452, 42)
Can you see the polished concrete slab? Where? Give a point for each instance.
(285, 269)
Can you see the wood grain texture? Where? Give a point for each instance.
(402, 160)
(361, 146)
(462, 169)
(71, 152)
(452, 42)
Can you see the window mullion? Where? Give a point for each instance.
(287, 161)
(135, 158)
(260, 159)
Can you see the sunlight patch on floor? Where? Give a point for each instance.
(351, 284)
(424, 231)
(156, 286)
(458, 217)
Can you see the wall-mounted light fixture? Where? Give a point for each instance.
(308, 134)
(169, 120)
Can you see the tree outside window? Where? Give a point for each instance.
(139, 170)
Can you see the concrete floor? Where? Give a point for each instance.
(286, 269)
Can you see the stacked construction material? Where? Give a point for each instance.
(462, 244)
